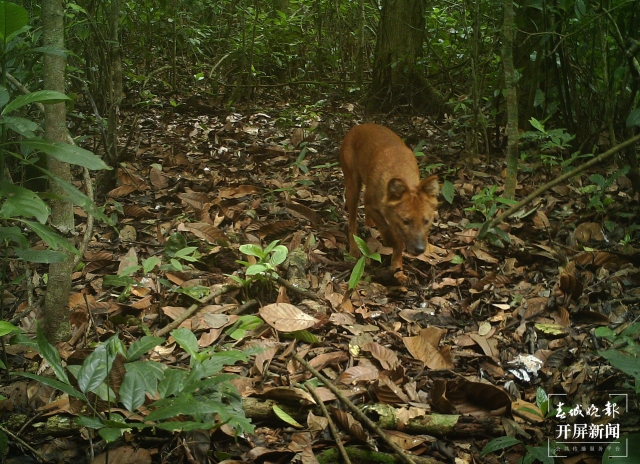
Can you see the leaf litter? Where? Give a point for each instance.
(478, 330)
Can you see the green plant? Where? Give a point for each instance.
(263, 271)
(299, 162)
(201, 394)
(540, 453)
(599, 201)
(625, 359)
(358, 269)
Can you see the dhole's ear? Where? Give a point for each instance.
(395, 189)
(430, 186)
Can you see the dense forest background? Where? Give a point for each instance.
(202, 139)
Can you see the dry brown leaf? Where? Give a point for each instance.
(135, 211)
(289, 395)
(388, 392)
(128, 454)
(158, 179)
(261, 363)
(541, 221)
(197, 200)
(305, 212)
(285, 317)
(326, 359)
(121, 191)
(348, 423)
(528, 411)
(357, 374)
(238, 192)
(388, 359)
(273, 228)
(202, 230)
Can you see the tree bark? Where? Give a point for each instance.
(397, 81)
(511, 81)
(56, 315)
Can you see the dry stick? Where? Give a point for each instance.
(194, 307)
(332, 426)
(289, 286)
(368, 422)
(38, 456)
(540, 190)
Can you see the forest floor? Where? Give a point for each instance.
(462, 354)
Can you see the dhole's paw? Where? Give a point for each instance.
(401, 277)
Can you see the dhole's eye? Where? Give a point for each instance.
(406, 221)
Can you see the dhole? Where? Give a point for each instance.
(395, 199)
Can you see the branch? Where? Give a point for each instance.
(540, 190)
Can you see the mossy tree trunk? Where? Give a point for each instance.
(511, 81)
(56, 315)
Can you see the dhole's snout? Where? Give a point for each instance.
(416, 245)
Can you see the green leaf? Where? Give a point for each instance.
(150, 372)
(270, 247)
(172, 383)
(41, 96)
(448, 190)
(142, 345)
(7, 328)
(51, 355)
(150, 263)
(12, 18)
(132, 390)
(67, 153)
(118, 281)
(625, 450)
(457, 259)
(285, 417)
(634, 118)
(90, 422)
(304, 336)
(22, 202)
(176, 242)
(110, 434)
(14, 234)
(52, 239)
(78, 198)
(628, 364)
(62, 386)
(244, 323)
(362, 245)
(187, 426)
(499, 443)
(279, 255)
(256, 269)
(40, 256)
(250, 249)
(176, 264)
(185, 405)
(537, 125)
(356, 274)
(24, 127)
(184, 252)
(94, 369)
(187, 340)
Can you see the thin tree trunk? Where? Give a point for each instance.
(56, 314)
(510, 81)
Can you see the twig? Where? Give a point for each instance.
(540, 190)
(194, 307)
(289, 286)
(25, 444)
(332, 426)
(362, 416)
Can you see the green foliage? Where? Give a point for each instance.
(626, 359)
(201, 394)
(533, 453)
(358, 269)
(599, 201)
(264, 270)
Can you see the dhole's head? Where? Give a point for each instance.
(410, 211)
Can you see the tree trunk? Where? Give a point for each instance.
(397, 81)
(510, 81)
(56, 315)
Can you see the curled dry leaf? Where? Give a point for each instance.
(121, 191)
(202, 230)
(358, 374)
(197, 200)
(289, 395)
(348, 423)
(285, 317)
(388, 359)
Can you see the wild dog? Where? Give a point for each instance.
(395, 199)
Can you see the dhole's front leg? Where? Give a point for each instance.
(391, 239)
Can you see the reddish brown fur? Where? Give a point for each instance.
(395, 199)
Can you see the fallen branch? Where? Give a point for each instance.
(305, 293)
(194, 307)
(356, 411)
(540, 190)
